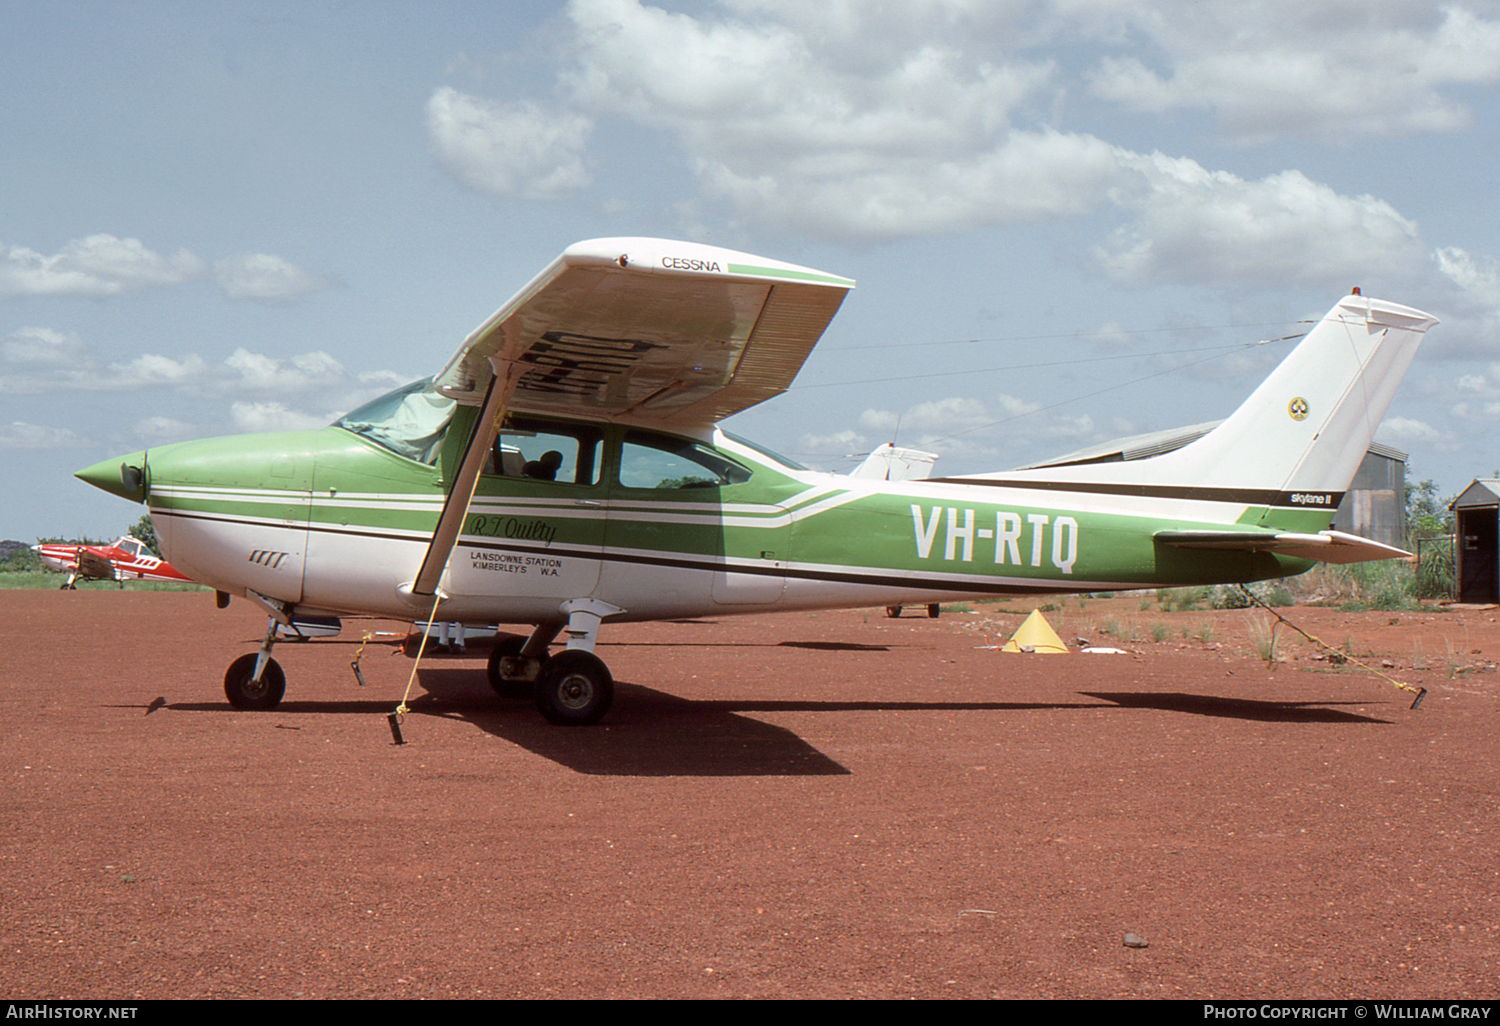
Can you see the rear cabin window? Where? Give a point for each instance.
(665, 463)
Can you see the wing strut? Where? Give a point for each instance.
(461, 494)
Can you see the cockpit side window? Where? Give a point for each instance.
(663, 462)
(410, 422)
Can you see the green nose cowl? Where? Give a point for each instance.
(124, 476)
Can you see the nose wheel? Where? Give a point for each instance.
(245, 691)
(255, 681)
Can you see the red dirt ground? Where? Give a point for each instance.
(801, 805)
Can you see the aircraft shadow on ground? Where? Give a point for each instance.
(1235, 708)
(653, 733)
(648, 733)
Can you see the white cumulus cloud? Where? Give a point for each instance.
(1193, 224)
(98, 265)
(153, 369)
(303, 372)
(273, 416)
(1477, 276)
(266, 278)
(20, 435)
(40, 347)
(867, 122)
(509, 149)
(1407, 429)
(1331, 72)
(161, 430)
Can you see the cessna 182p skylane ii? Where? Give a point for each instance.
(564, 471)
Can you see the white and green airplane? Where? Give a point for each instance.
(564, 470)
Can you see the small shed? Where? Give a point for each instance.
(1478, 512)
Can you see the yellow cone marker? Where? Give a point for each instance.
(1035, 635)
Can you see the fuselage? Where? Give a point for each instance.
(655, 525)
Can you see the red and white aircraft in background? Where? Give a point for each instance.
(124, 559)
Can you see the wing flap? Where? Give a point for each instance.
(672, 332)
(1323, 547)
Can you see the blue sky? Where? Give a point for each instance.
(1069, 220)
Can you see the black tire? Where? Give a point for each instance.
(933, 610)
(512, 685)
(893, 611)
(243, 695)
(574, 689)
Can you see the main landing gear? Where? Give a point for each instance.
(572, 688)
(932, 610)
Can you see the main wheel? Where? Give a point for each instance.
(245, 694)
(574, 688)
(507, 671)
(893, 611)
(933, 609)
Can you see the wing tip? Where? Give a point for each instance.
(669, 256)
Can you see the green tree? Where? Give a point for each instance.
(19, 557)
(1428, 519)
(145, 530)
(1427, 515)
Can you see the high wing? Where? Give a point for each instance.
(676, 334)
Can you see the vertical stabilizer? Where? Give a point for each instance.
(1299, 438)
(1308, 425)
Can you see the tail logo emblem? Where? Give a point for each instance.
(1297, 408)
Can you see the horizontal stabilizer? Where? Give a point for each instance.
(1323, 547)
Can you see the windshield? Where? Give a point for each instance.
(410, 422)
